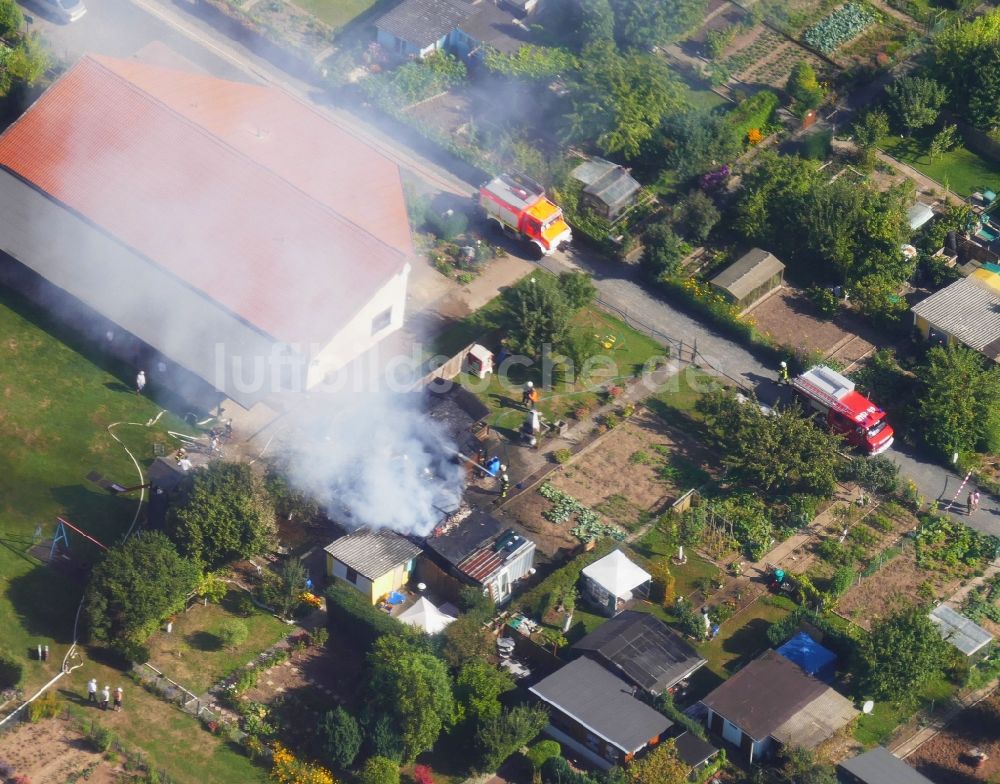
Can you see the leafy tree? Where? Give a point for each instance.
(693, 141)
(283, 594)
(644, 25)
(697, 215)
(478, 688)
(412, 685)
(339, 736)
(661, 765)
(233, 633)
(966, 59)
(501, 736)
(778, 454)
(831, 231)
(212, 588)
(799, 766)
(915, 101)
(804, 87)
(136, 586)
(11, 671)
(868, 130)
(902, 652)
(958, 401)
(943, 141)
(11, 19)
(662, 252)
(619, 99)
(876, 474)
(379, 770)
(28, 61)
(577, 289)
(538, 313)
(225, 516)
(464, 640)
(596, 22)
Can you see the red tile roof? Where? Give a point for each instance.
(242, 191)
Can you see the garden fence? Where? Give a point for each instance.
(173, 692)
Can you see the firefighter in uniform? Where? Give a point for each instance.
(504, 483)
(783, 373)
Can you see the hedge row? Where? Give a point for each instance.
(351, 615)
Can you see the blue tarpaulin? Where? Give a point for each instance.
(809, 655)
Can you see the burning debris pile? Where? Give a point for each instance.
(378, 461)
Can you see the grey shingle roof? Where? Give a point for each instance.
(495, 27)
(372, 553)
(968, 310)
(422, 22)
(878, 766)
(743, 276)
(603, 703)
(646, 650)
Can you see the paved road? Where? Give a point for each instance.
(122, 27)
(618, 287)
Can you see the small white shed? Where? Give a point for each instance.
(613, 581)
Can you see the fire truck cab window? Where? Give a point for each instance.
(352, 576)
(534, 227)
(381, 321)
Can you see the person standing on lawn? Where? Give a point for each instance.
(140, 382)
(92, 690)
(118, 698)
(105, 697)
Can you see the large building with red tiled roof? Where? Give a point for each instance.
(227, 227)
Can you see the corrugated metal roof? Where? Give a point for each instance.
(373, 553)
(879, 766)
(968, 310)
(422, 22)
(743, 276)
(966, 635)
(603, 703)
(918, 215)
(241, 191)
(817, 721)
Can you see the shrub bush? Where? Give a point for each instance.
(539, 753)
(379, 770)
(101, 738)
(232, 633)
(562, 456)
(45, 707)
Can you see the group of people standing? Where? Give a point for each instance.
(105, 695)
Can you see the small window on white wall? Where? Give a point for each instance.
(381, 321)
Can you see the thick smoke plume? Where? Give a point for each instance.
(376, 460)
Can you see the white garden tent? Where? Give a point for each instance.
(425, 616)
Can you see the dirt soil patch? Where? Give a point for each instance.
(790, 318)
(334, 671)
(639, 466)
(946, 758)
(892, 586)
(55, 751)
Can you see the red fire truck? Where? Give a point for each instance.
(518, 206)
(845, 410)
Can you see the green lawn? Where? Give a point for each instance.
(620, 352)
(57, 404)
(961, 170)
(336, 13)
(191, 653)
(877, 727)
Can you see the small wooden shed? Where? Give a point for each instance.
(752, 277)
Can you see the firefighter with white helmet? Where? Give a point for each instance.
(783, 373)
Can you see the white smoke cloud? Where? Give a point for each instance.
(376, 460)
